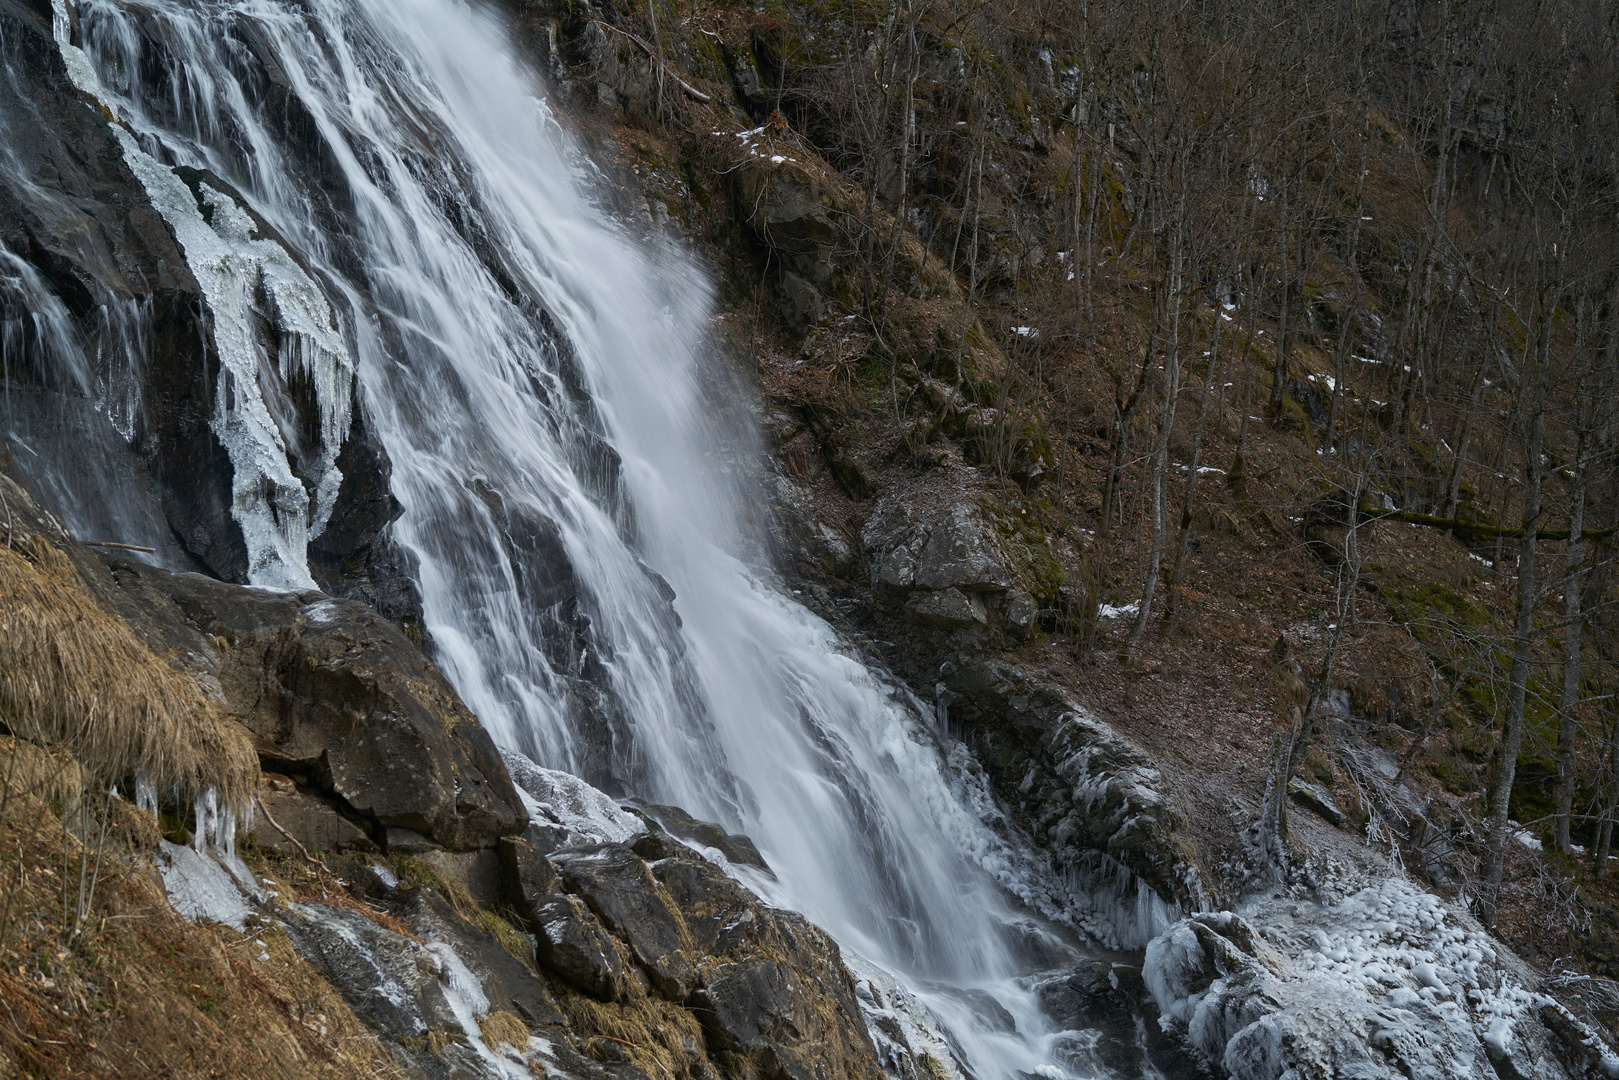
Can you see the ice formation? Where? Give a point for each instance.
(908, 1038)
(268, 500)
(203, 886)
(587, 816)
(255, 291)
(1387, 982)
(467, 1001)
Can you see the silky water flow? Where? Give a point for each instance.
(533, 373)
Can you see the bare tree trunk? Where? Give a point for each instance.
(1193, 467)
(1348, 587)
(1506, 766)
(1480, 379)
(1124, 418)
(1284, 324)
(907, 137)
(1166, 426)
(1568, 724)
(1604, 844)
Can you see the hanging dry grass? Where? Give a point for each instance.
(501, 1028)
(48, 774)
(74, 677)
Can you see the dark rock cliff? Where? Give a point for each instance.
(78, 226)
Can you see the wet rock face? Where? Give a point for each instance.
(621, 891)
(335, 695)
(384, 976)
(73, 212)
(1089, 798)
(739, 849)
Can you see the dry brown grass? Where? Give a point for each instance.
(652, 1033)
(75, 677)
(43, 773)
(501, 1028)
(133, 991)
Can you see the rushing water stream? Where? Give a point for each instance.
(532, 372)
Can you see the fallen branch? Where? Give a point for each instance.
(120, 546)
(1463, 529)
(265, 810)
(690, 90)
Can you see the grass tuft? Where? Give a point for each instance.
(501, 1028)
(75, 678)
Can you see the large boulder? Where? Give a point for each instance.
(621, 891)
(335, 696)
(944, 569)
(620, 909)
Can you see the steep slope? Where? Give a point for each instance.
(949, 495)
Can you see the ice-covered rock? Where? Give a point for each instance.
(205, 885)
(249, 280)
(567, 807)
(1090, 798)
(1387, 982)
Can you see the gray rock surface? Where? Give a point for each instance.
(962, 553)
(336, 695)
(948, 609)
(768, 988)
(1072, 782)
(287, 815)
(573, 944)
(736, 848)
(621, 891)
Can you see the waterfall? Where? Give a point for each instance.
(588, 556)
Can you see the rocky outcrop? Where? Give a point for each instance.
(74, 213)
(337, 699)
(382, 775)
(641, 958)
(767, 986)
(621, 909)
(794, 209)
(79, 234)
(337, 696)
(737, 848)
(945, 570)
(1090, 799)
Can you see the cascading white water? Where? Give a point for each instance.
(73, 442)
(532, 374)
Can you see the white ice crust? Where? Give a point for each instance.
(1389, 981)
(587, 815)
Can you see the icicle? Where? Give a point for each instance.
(145, 795)
(206, 815)
(233, 265)
(216, 825)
